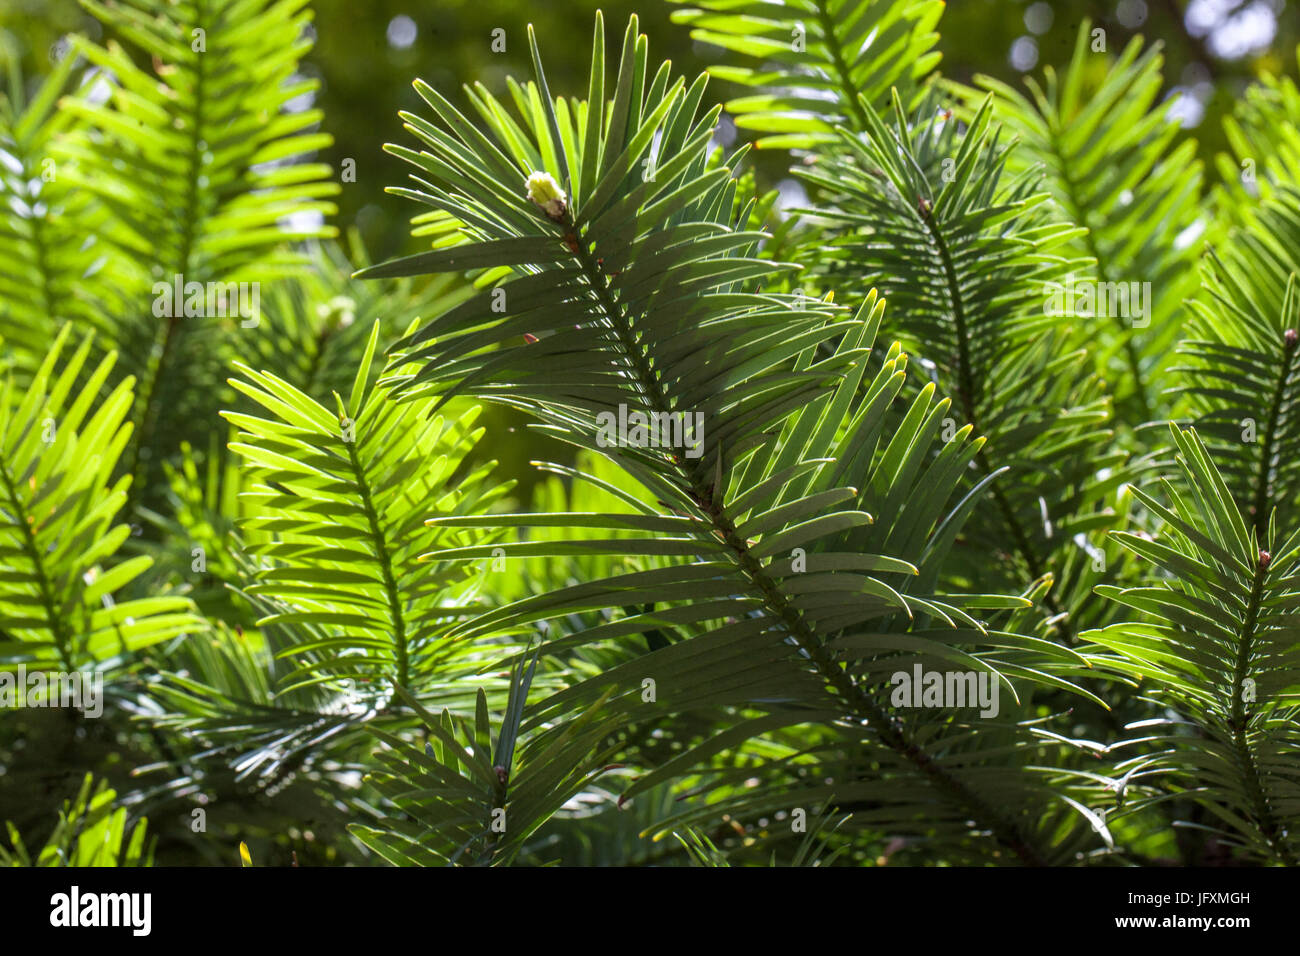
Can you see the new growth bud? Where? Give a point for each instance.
(546, 193)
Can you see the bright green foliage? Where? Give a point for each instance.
(816, 60)
(796, 459)
(196, 170)
(339, 504)
(58, 498)
(92, 831)
(1265, 147)
(332, 520)
(47, 270)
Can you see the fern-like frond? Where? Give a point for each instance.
(785, 603)
(339, 502)
(623, 282)
(966, 260)
(810, 61)
(1215, 640)
(200, 168)
(49, 273)
(1241, 381)
(789, 604)
(1116, 165)
(1263, 133)
(60, 568)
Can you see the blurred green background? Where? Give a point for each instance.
(366, 55)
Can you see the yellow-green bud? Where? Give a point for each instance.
(546, 192)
